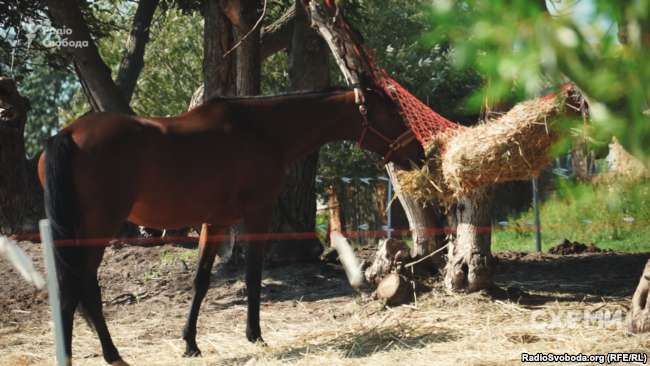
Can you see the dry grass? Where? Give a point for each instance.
(443, 329)
(310, 316)
(623, 167)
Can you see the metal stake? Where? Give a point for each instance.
(538, 228)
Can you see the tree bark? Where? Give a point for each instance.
(639, 316)
(296, 207)
(395, 290)
(581, 160)
(133, 57)
(103, 93)
(243, 15)
(422, 222)
(469, 260)
(381, 202)
(391, 254)
(334, 211)
(218, 72)
(20, 193)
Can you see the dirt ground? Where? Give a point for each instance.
(310, 316)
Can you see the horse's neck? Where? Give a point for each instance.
(306, 124)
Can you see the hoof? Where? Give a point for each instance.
(254, 335)
(258, 342)
(119, 363)
(192, 353)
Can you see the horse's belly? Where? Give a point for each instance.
(177, 212)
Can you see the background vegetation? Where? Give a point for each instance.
(613, 217)
(455, 55)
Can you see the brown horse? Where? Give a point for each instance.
(221, 163)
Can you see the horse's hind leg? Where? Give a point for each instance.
(96, 228)
(208, 250)
(77, 272)
(255, 224)
(91, 300)
(66, 260)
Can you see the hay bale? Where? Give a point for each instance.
(514, 146)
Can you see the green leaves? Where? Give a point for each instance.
(523, 49)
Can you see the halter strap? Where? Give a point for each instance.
(393, 145)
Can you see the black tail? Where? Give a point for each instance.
(60, 199)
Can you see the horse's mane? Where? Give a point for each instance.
(300, 93)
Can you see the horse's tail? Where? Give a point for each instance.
(61, 204)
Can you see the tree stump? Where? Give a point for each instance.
(389, 254)
(470, 263)
(395, 290)
(639, 316)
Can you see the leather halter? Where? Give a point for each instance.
(398, 143)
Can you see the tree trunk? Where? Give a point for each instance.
(248, 78)
(93, 73)
(469, 260)
(133, 57)
(296, 207)
(21, 196)
(278, 36)
(580, 161)
(381, 202)
(218, 72)
(423, 222)
(639, 316)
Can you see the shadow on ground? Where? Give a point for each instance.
(584, 277)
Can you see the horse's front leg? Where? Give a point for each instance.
(258, 226)
(208, 250)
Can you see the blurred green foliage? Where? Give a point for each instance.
(523, 47)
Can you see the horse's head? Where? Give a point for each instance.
(385, 132)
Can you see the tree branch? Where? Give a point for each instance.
(133, 57)
(79, 45)
(277, 36)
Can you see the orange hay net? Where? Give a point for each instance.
(422, 120)
(355, 58)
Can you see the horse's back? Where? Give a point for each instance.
(173, 171)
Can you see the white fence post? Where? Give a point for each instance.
(52, 289)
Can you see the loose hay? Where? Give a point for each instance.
(623, 167)
(336, 327)
(513, 147)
